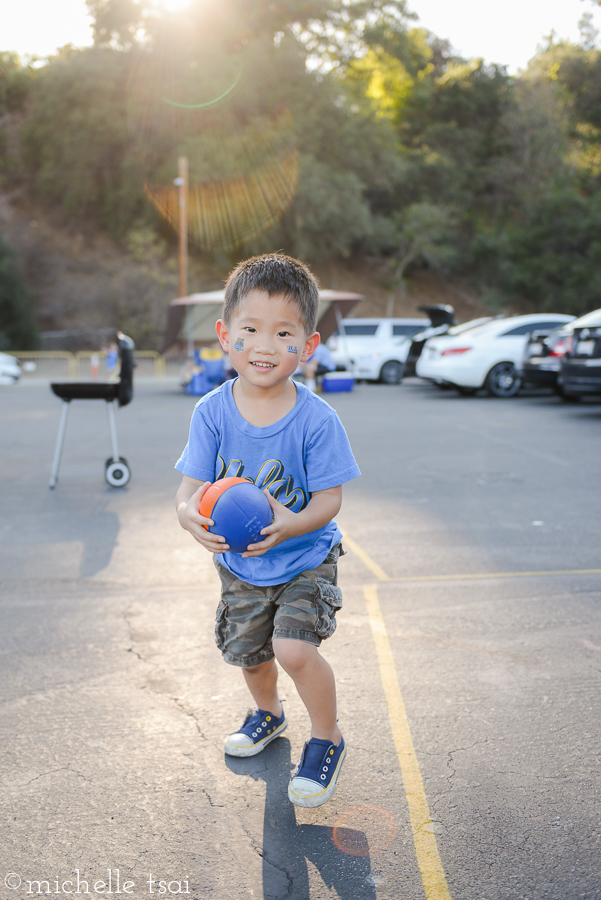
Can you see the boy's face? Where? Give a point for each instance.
(265, 339)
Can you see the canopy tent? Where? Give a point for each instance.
(192, 319)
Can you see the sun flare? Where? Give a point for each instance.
(174, 5)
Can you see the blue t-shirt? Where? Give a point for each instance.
(306, 451)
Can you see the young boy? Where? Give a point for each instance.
(279, 598)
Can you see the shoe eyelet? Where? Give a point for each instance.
(259, 730)
(325, 769)
(268, 718)
(254, 733)
(323, 777)
(264, 724)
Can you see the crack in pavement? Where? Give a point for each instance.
(264, 856)
(52, 772)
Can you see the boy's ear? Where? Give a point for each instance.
(311, 345)
(223, 335)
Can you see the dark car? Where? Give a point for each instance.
(542, 357)
(441, 318)
(580, 374)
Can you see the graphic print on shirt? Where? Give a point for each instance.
(271, 475)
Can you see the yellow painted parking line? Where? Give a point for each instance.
(471, 576)
(424, 840)
(365, 558)
(426, 848)
(477, 575)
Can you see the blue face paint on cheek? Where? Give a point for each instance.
(292, 349)
(239, 345)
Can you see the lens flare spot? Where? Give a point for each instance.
(364, 831)
(208, 102)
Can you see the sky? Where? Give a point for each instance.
(502, 31)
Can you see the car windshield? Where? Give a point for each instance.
(364, 330)
(403, 330)
(470, 326)
(590, 320)
(510, 324)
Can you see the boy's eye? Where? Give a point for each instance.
(283, 334)
(250, 329)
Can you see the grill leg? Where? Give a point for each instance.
(113, 428)
(59, 444)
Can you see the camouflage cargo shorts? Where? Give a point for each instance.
(249, 616)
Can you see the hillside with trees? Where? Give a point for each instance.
(342, 133)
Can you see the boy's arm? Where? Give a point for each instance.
(187, 503)
(321, 508)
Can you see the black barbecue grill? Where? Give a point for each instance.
(116, 469)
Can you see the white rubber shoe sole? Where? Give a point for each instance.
(241, 745)
(307, 793)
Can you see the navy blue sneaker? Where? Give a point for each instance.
(258, 729)
(314, 780)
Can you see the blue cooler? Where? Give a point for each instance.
(199, 385)
(337, 382)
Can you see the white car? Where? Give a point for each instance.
(485, 356)
(10, 370)
(374, 349)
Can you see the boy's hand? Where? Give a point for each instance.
(285, 525)
(190, 519)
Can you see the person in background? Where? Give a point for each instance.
(112, 362)
(318, 364)
(94, 364)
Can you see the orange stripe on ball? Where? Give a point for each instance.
(212, 495)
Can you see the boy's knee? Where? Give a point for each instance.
(261, 669)
(293, 655)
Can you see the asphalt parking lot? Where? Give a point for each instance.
(468, 660)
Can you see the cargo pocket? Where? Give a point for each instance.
(221, 625)
(328, 599)
(334, 555)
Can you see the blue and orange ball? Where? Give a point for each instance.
(239, 510)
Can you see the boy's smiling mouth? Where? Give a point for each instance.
(263, 365)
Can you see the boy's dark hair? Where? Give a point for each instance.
(274, 273)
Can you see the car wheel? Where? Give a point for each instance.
(503, 380)
(391, 372)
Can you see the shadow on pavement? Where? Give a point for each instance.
(97, 531)
(287, 846)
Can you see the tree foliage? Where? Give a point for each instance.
(554, 253)
(18, 330)
(405, 151)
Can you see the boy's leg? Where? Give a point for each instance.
(262, 682)
(314, 681)
(314, 780)
(267, 722)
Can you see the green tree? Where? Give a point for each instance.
(553, 255)
(537, 126)
(76, 140)
(15, 83)
(15, 87)
(329, 214)
(18, 329)
(421, 233)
